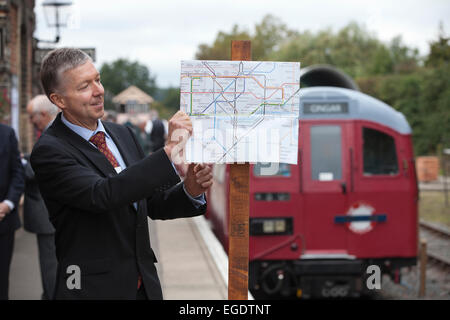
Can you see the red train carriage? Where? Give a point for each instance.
(350, 203)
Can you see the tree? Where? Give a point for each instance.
(122, 73)
(381, 62)
(265, 39)
(353, 48)
(169, 99)
(435, 102)
(390, 72)
(268, 35)
(172, 99)
(404, 59)
(220, 49)
(439, 50)
(423, 97)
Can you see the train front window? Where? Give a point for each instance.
(379, 154)
(326, 163)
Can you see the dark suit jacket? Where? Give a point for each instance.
(157, 135)
(12, 181)
(35, 214)
(90, 205)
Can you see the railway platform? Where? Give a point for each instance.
(191, 263)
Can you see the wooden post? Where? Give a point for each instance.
(239, 209)
(423, 267)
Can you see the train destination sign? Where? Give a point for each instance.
(325, 108)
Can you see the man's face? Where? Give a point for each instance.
(80, 95)
(38, 119)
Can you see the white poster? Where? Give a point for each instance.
(242, 111)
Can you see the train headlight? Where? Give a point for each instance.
(270, 226)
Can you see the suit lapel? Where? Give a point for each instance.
(97, 159)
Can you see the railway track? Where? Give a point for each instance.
(438, 242)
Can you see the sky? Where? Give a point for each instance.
(159, 34)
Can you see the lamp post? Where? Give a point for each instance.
(56, 15)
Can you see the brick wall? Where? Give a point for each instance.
(19, 60)
(13, 43)
(29, 132)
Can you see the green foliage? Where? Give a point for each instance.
(267, 36)
(439, 50)
(423, 97)
(220, 50)
(391, 72)
(265, 39)
(122, 73)
(404, 59)
(352, 49)
(172, 99)
(421, 94)
(163, 111)
(435, 101)
(168, 101)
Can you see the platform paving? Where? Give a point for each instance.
(186, 268)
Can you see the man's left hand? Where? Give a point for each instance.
(198, 179)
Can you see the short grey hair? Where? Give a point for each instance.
(56, 62)
(41, 103)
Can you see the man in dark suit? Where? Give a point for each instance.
(41, 113)
(11, 188)
(99, 188)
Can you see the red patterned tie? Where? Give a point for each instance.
(99, 141)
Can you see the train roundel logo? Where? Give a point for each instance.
(361, 209)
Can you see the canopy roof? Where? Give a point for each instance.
(133, 94)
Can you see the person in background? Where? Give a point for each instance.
(143, 137)
(110, 116)
(12, 184)
(155, 129)
(41, 114)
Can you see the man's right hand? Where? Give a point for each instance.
(4, 210)
(180, 129)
